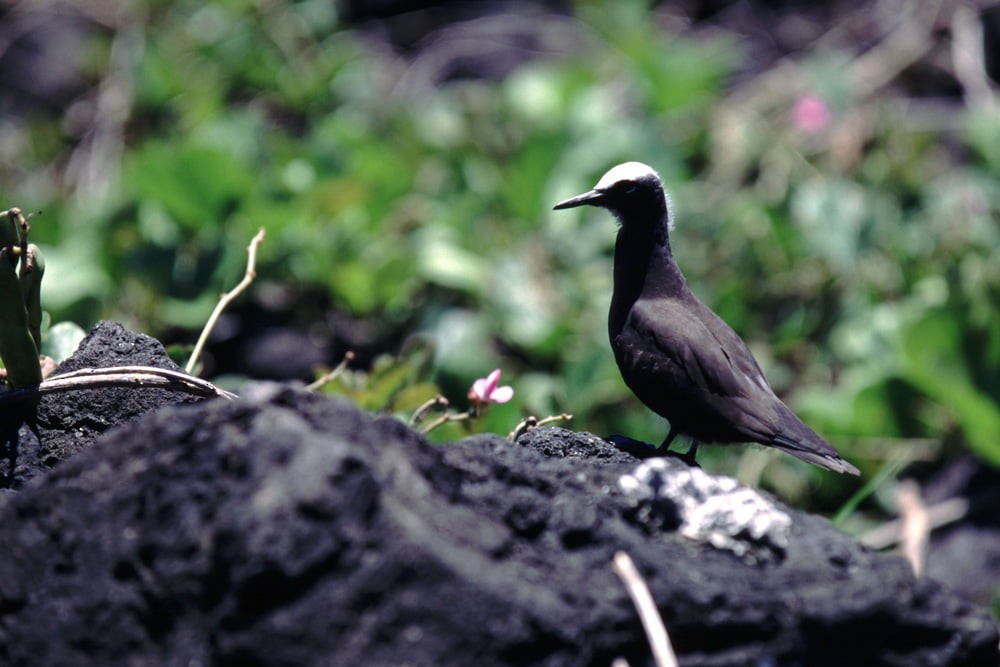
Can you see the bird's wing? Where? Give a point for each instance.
(709, 361)
(697, 340)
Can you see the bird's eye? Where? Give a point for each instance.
(630, 188)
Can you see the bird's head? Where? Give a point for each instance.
(632, 191)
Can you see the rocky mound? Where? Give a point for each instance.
(286, 528)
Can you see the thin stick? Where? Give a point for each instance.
(891, 532)
(119, 376)
(444, 419)
(554, 418)
(531, 422)
(967, 57)
(663, 652)
(332, 375)
(897, 50)
(226, 297)
(916, 525)
(438, 401)
(523, 427)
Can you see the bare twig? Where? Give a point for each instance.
(531, 422)
(916, 525)
(565, 416)
(95, 161)
(226, 297)
(899, 49)
(896, 50)
(967, 56)
(438, 401)
(332, 375)
(445, 418)
(523, 427)
(119, 376)
(659, 642)
(940, 514)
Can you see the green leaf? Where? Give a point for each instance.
(61, 340)
(982, 133)
(935, 364)
(196, 185)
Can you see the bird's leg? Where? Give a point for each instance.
(688, 457)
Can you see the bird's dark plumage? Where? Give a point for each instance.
(679, 357)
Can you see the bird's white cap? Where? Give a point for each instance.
(627, 171)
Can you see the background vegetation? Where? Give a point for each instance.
(838, 204)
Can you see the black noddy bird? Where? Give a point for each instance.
(674, 353)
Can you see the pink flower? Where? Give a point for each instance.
(811, 113)
(485, 390)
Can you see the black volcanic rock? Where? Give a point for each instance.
(290, 529)
(68, 422)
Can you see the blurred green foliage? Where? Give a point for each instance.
(859, 260)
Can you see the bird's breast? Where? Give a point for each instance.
(651, 375)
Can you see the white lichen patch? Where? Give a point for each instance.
(713, 509)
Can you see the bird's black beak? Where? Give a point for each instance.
(593, 198)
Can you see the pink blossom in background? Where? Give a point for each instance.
(811, 113)
(485, 390)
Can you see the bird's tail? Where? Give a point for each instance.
(802, 442)
(829, 461)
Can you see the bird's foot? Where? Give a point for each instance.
(637, 448)
(687, 457)
(645, 450)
